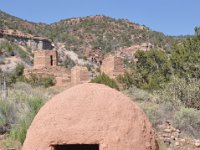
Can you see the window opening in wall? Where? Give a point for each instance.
(51, 60)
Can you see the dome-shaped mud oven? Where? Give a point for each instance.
(90, 117)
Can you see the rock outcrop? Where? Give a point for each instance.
(24, 39)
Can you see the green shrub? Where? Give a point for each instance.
(7, 110)
(23, 54)
(68, 62)
(154, 67)
(18, 133)
(15, 75)
(26, 105)
(19, 70)
(180, 92)
(188, 121)
(34, 104)
(127, 80)
(139, 94)
(45, 81)
(153, 113)
(106, 80)
(158, 113)
(89, 67)
(20, 107)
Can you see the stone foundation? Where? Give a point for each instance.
(64, 77)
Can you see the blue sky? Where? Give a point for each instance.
(172, 17)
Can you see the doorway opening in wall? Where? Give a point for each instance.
(77, 147)
(51, 60)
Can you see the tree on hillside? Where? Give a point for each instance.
(154, 67)
(197, 30)
(185, 58)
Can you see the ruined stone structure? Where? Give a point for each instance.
(113, 66)
(35, 42)
(44, 58)
(90, 117)
(62, 75)
(79, 75)
(45, 64)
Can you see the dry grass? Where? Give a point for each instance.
(19, 109)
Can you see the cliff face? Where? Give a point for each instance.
(24, 39)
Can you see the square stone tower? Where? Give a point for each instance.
(45, 58)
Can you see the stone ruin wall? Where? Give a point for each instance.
(44, 58)
(108, 66)
(44, 66)
(119, 67)
(62, 75)
(113, 66)
(79, 75)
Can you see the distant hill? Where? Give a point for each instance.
(106, 32)
(100, 33)
(10, 22)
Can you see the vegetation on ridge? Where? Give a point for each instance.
(97, 32)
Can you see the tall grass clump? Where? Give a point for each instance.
(18, 132)
(19, 109)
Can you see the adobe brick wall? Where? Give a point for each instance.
(113, 66)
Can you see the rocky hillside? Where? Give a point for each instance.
(105, 33)
(95, 33)
(10, 22)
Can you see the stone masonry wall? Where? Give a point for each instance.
(45, 64)
(79, 75)
(112, 66)
(108, 66)
(62, 75)
(119, 67)
(44, 58)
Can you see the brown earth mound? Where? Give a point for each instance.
(93, 116)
